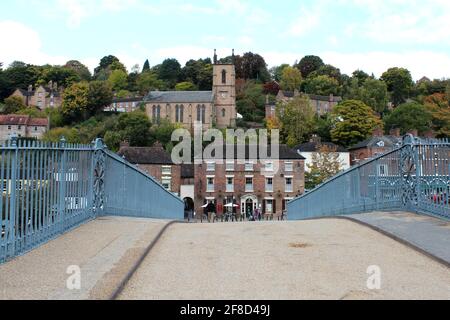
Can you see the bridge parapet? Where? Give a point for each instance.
(50, 188)
(413, 177)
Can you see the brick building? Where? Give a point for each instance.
(22, 126)
(156, 162)
(129, 104)
(375, 145)
(321, 104)
(43, 97)
(250, 184)
(216, 107)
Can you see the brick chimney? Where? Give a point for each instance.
(414, 132)
(395, 132)
(378, 132)
(124, 144)
(430, 134)
(315, 139)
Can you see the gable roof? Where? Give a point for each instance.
(315, 146)
(284, 153)
(388, 141)
(146, 155)
(179, 97)
(22, 120)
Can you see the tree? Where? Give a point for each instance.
(60, 75)
(106, 66)
(296, 119)
(18, 75)
(291, 79)
(322, 85)
(80, 69)
(438, 105)
(447, 93)
(199, 72)
(374, 93)
(251, 102)
(118, 80)
(354, 121)
(253, 66)
(272, 88)
(13, 105)
(100, 95)
(327, 70)
(185, 86)
(399, 83)
(409, 116)
(146, 66)
(56, 134)
(134, 127)
(325, 165)
(170, 71)
(148, 81)
(75, 102)
(360, 75)
(309, 64)
(277, 72)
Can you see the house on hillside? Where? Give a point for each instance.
(22, 126)
(43, 97)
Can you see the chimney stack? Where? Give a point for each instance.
(378, 132)
(215, 56)
(395, 132)
(414, 132)
(430, 134)
(315, 139)
(124, 144)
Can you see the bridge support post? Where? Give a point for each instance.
(62, 187)
(99, 165)
(12, 199)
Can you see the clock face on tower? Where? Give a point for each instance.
(223, 95)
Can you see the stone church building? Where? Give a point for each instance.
(216, 108)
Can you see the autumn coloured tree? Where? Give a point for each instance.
(325, 165)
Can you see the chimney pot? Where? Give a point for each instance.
(378, 132)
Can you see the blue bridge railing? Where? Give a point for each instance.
(414, 177)
(50, 188)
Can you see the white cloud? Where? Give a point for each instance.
(307, 20)
(14, 48)
(420, 63)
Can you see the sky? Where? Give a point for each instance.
(371, 35)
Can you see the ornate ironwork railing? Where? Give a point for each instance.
(414, 177)
(50, 188)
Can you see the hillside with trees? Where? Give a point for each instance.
(392, 101)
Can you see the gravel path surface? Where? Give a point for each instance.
(105, 249)
(321, 259)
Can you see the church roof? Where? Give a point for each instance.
(179, 97)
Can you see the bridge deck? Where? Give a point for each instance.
(426, 233)
(104, 249)
(319, 259)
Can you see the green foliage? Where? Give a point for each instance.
(325, 165)
(277, 72)
(324, 125)
(148, 81)
(75, 102)
(100, 95)
(327, 70)
(185, 86)
(12, 105)
(374, 93)
(296, 119)
(309, 64)
(438, 105)
(134, 128)
(322, 85)
(354, 121)
(107, 65)
(146, 66)
(252, 66)
(199, 72)
(251, 102)
(55, 135)
(399, 83)
(80, 69)
(118, 80)
(63, 76)
(170, 71)
(409, 116)
(291, 79)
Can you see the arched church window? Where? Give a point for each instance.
(179, 113)
(203, 114)
(224, 113)
(156, 114)
(224, 76)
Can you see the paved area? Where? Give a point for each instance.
(429, 234)
(104, 249)
(319, 259)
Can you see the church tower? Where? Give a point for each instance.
(224, 90)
